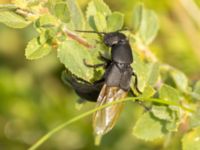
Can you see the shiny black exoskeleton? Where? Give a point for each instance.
(118, 70)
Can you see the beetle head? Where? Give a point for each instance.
(113, 38)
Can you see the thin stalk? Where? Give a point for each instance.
(63, 125)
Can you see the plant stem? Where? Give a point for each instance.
(77, 38)
(60, 127)
(49, 134)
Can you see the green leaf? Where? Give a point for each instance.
(62, 12)
(46, 21)
(161, 112)
(191, 140)
(137, 17)
(149, 27)
(196, 91)
(13, 20)
(38, 47)
(33, 3)
(26, 3)
(76, 15)
(7, 7)
(172, 126)
(98, 6)
(91, 11)
(148, 92)
(180, 80)
(147, 73)
(72, 54)
(115, 21)
(171, 116)
(148, 128)
(101, 7)
(153, 73)
(21, 3)
(99, 10)
(194, 120)
(100, 22)
(59, 8)
(146, 24)
(176, 118)
(169, 93)
(140, 69)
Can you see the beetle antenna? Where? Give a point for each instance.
(90, 32)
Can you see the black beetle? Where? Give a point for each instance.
(114, 84)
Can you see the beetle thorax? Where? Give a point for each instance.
(121, 53)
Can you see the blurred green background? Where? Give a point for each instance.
(33, 99)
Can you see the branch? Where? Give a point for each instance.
(77, 38)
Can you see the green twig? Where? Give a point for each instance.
(60, 127)
(49, 134)
(170, 103)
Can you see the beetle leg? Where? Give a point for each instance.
(94, 66)
(87, 91)
(137, 89)
(136, 83)
(141, 103)
(101, 57)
